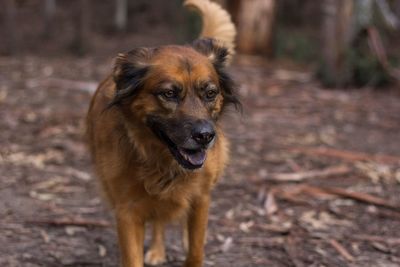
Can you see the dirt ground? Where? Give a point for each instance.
(314, 178)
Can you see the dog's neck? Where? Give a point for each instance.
(161, 169)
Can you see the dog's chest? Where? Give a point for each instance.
(175, 201)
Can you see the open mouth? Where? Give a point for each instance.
(187, 158)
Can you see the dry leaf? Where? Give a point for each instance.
(102, 251)
(3, 96)
(376, 172)
(270, 204)
(322, 220)
(47, 184)
(245, 226)
(230, 214)
(45, 236)
(227, 244)
(41, 196)
(72, 230)
(397, 175)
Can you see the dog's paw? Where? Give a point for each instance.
(155, 257)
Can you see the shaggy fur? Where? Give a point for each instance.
(141, 128)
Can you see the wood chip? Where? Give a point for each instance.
(341, 249)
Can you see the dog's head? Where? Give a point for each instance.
(178, 92)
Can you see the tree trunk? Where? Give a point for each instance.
(255, 23)
(397, 8)
(233, 6)
(49, 12)
(81, 41)
(10, 38)
(121, 14)
(222, 3)
(336, 39)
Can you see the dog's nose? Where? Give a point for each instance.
(203, 132)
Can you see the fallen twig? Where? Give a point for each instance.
(359, 237)
(345, 154)
(362, 197)
(326, 191)
(374, 238)
(261, 241)
(278, 229)
(387, 214)
(291, 248)
(341, 249)
(75, 222)
(301, 176)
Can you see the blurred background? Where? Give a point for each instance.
(314, 178)
(351, 42)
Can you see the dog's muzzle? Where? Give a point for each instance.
(187, 139)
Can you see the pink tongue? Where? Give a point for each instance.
(196, 158)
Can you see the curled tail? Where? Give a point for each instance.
(217, 22)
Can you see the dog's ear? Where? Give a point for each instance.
(218, 55)
(129, 72)
(213, 49)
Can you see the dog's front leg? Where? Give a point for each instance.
(197, 226)
(156, 253)
(131, 238)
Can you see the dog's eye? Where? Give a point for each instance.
(211, 94)
(169, 94)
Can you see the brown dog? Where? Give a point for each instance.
(155, 140)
